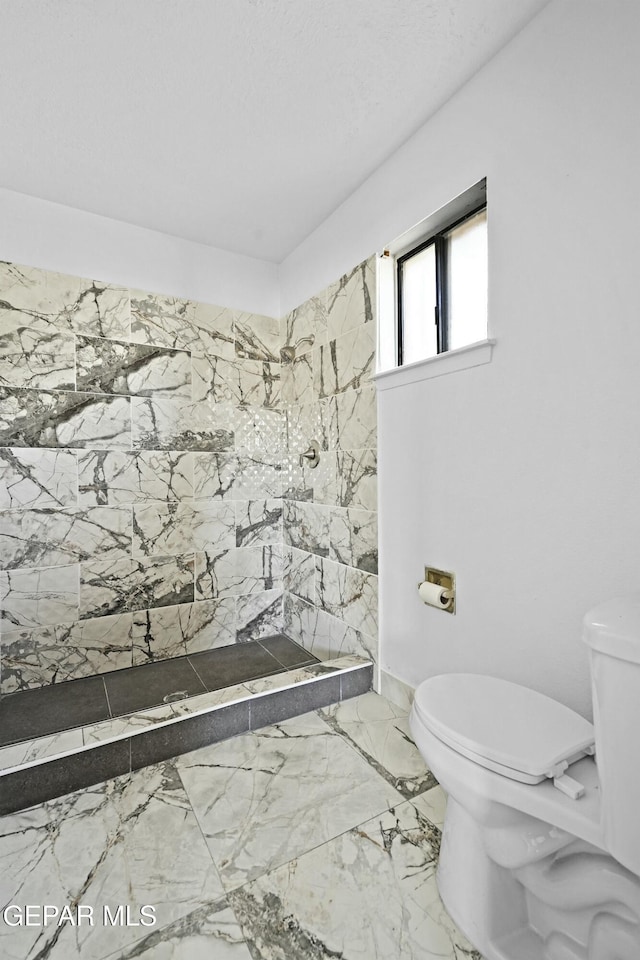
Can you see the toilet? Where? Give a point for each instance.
(540, 855)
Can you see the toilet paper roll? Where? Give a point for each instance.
(434, 594)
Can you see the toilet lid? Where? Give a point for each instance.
(504, 726)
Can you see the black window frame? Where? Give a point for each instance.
(438, 239)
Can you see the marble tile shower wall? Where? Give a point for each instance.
(330, 511)
(142, 439)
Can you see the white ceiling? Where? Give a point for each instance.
(237, 123)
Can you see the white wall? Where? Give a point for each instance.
(38, 233)
(523, 476)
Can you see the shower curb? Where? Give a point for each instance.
(297, 692)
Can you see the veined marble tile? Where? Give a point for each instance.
(102, 310)
(216, 379)
(299, 573)
(36, 656)
(297, 380)
(176, 424)
(279, 681)
(170, 529)
(128, 725)
(306, 526)
(225, 476)
(215, 475)
(346, 363)
(39, 418)
(259, 476)
(257, 337)
(297, 480)
(112, 366)
(353, 537)
(325, 636)
(34, 358)
(349, 594)
(323, 478)
(260, 383)
(264, 798)
(113, 477)
(133, 840)
(48, 300)
(183, 629)
(214, 328)
(259, 615)
(213, 524)
(356, 479)
(260, 430)
(135, 723)
(401, 694)
(258, 521)
(306, 326)
(118, 586)
(304, 425)
(47, 537)
(202, 328)
(37, 478)
(350, 419)
(204, 702)
(380, 732)
(209, 933)
(162, 321)
(29, 750)
(239, 570)
(369, 893)
(350, 301)
(306, 674)
(38, 597)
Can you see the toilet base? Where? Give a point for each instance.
(574, 903)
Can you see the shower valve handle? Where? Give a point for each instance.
(312, 455)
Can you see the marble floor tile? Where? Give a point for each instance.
(369, 893)
(209, 933)
(380, 732)
(264, 798)
(131, 841)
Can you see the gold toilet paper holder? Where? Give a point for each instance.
(444, 579)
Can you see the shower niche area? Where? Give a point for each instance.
(173, 571)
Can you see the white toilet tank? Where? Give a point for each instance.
(612, 631)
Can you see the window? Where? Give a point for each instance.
(432, 295)
(442, 290)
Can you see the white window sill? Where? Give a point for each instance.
(474, 355)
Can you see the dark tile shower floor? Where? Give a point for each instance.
(62, 706)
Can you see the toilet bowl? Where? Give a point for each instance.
(540, 855)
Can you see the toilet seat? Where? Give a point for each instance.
(503, 726)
